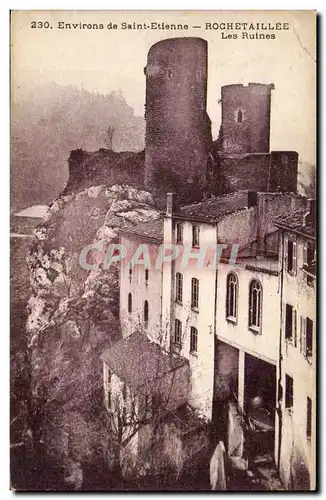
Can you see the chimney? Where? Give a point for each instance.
(171, 204)
(310, 215)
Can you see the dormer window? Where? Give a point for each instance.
(169, 73)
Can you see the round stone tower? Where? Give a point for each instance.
(246, 118)
(178, 129)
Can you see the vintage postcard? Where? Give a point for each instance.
(163, 250)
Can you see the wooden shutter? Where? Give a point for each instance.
(285, 243)
(284, 319)
(294, 257)
(303, 335)
(294, 326)
(305, 254)
(301, 332)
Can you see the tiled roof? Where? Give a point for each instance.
(138, 361)
(152, 229)
(295, 222)
(213, 209)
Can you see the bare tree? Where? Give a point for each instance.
(136, 415)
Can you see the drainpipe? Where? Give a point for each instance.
(214, 331)
(168, 270)
(279, 382)
(215, 290)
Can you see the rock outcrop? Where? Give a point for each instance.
(73, 315)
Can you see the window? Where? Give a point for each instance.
(255, 305)
(308, 258)
(290, 324)
(130, 275)
(288, 391)
(146, 313)
(194, 293)
(146, 276)
(179, 287)
(308, 253)
(195, 236)
(193, 339)
(179, 231)
(309, 331)
(291, 256)
(306, 336)
(177, 332)
(129, 303)
(239, 116)
(309, 418)
(231, 296)
(169, 73)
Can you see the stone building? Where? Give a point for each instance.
(298, 349)
(180, 155)
(246, 114)
(23, 223)
(242, 153)
(206, 282)
(142, 382)
(217, 317)
(141, 283)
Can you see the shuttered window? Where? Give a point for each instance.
(178, 287)
(176, 339)
(290, 324)
(193, 339)
(290, 256)
(288, 391)
(194, 293)
(306, 336)
(309, 418)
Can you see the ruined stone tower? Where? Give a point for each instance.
(246, 118)
(178, 129)
(242, 152)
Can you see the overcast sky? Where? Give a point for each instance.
(106, 60)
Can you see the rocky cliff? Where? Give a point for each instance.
(72, 317)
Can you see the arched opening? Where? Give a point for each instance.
(239, 116)
(255, 305)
